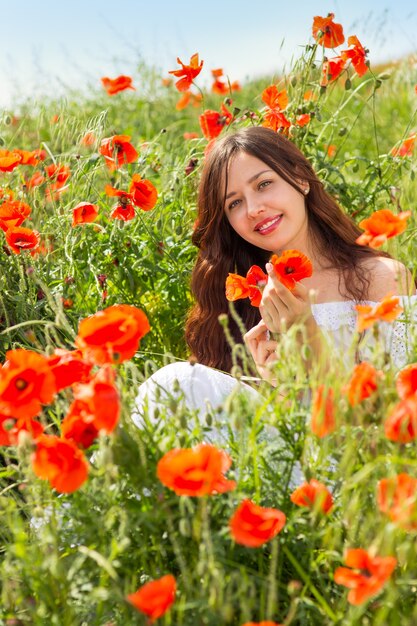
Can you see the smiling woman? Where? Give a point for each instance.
(259, 201)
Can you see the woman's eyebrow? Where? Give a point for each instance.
(251, 179)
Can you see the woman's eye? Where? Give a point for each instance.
(264, 184)
(233, 204)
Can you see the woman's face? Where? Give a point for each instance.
(263, 208)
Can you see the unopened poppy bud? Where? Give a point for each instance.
(30, 270)
(294, 587)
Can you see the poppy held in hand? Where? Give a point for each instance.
(291, 267)
(326, 32)
(238, 287)
(155, 597)
(367, 576)
(252, 525)
(313, 495)
(117, 150)
(187, 73)
(20, 238)
(115, 85)
(112, 335)
(195, 471)
(60, 462)
(397, 497)
(84, 213)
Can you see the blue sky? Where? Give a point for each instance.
(48, 45)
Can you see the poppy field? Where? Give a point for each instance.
(289, 512)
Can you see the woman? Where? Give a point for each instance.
(259, 195)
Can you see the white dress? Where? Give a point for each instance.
(204, 389)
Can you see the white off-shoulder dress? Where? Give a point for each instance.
(203, 388)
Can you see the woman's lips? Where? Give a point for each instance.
(267, 226)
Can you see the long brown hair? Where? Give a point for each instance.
(222, 250)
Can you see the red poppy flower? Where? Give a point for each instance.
(117, 150)
(357, 55)
(26, 382)
(13, 213)
(125, 210)
(195, 471)
(406, 382)
(252, 525)
(79, 428)
(10, 429)
(397, 497)
(219, 86)
(326, 32)
(382, 225)
(187, 73)
(143, 193)
(385, 311)
(188, 136)
(60, 462)
(35, 180)
(89, 139)
(31, 157)
(367, 576)
(362, 384)
(84, 213)
(331, 69)
(276, 120)
(98, 402)
(212, 123)
(112, 335)
(238, 287)
(313, 495)
(274, 98)
(257, 280)
(291, 267)
(115, 85)
(323, 420)
(406, 148)
(155, 597)
(20, 238)
(68, 367)
(263, 623)
(303, 119)
(401, 424)
(59, 174)
(9, 160)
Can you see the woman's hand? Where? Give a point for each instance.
(262, 349)
(280, 308)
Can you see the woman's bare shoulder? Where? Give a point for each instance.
(388, 277)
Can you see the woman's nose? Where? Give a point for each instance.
(255, 208)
